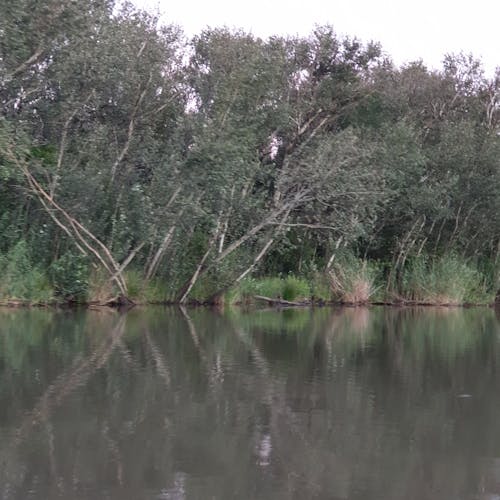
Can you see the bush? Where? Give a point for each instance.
(100, 287)
(295, 288)
(353, 280)
(21, 280)
(135, 285)
(320, 286)
(443, 280)
(158, 291)
(154, 291)
(70, 277)
(290, 288)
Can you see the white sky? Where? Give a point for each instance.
(408, 30)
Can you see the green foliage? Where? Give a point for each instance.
(158, 291)
(234, 154)
(21, 279)
(320, 286)
(295, 288)
(8, 171)
(100, 288)
(290, 288)
(151, 292)
(444, 280)
(70, 277)
(268, 286)
(46, 154)
(135, 284)
(354, 280)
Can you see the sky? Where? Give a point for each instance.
(407, 30)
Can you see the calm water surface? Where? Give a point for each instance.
(327, 404)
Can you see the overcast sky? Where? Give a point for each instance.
(408, 30)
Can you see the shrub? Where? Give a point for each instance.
(100, 287)
(158, 291)
(448, 279)
(320, 286)
(290, 288)
(295, 288)
(268, 287)
(353, 280)
(153, 291)
(70, 277)
(22, 280)
(135, 285)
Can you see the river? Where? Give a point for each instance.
(162, 403)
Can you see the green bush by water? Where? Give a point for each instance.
(447, 279)
(21, 280)
(354, 280)
(320, 287)
(151, 292)
(444, 280)
(290, 288)
(295, 288)
(70, 277)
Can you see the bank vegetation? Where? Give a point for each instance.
(137, 163)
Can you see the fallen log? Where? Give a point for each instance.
(120, 301)
(280, 302)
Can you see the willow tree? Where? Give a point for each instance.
(96, 106)
(260, 111)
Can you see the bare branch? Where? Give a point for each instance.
(187, 289)
(130, 132)
(35, 57)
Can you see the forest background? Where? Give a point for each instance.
(137, 162)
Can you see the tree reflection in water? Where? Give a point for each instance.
(173, 404)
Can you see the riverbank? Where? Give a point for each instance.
(251, 302)
(444, 281)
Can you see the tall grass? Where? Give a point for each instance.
(155, 291)
(448, 279)
(320, 286)
(353, 280)
(100, 288)
(21, 280)
(295, 288)
(140, 291)
(290, 288)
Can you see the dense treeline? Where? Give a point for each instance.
(136, 161)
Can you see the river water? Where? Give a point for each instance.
(157, 403)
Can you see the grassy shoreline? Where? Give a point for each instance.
(16, 304)
(423, 281)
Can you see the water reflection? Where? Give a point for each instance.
(179, 404)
